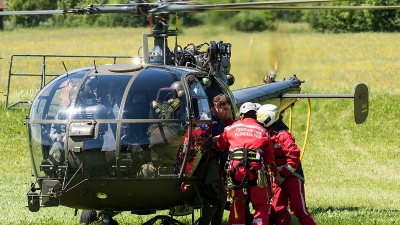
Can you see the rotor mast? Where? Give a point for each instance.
(161, 54)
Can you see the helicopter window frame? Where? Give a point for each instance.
(197, 99)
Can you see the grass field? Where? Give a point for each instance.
(351, 170)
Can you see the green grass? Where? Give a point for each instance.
(351, 170)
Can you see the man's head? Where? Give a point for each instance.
(222, 106)
(268, 114)
(248, 110)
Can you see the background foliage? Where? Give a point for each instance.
(332, 21)
(340, 21)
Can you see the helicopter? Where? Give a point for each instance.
(106, 137)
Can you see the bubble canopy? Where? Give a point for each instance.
(112, 125)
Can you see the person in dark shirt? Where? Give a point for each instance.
(214, 185)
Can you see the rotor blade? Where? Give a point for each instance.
(287, 2)
(290, 8)
(150, 3)
(360, 96)
(37, 12)
(88, 10)
(238, 4)
(188, 8)
(317, 96)
(157, 8)
(172, 8)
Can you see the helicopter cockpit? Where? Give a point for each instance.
(121, 125)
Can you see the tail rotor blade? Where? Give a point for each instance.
(361, 106)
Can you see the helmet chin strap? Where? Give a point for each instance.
(267, 120)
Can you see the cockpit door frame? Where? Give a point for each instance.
(186, 80)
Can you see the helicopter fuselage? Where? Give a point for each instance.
(118, 136)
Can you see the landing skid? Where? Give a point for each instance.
(90, 216)
(106, 218)
(165, 220)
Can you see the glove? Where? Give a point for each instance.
(229, 121)
(214, 140)
(279, 180)
(272, 169)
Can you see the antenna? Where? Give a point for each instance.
(95, 67)
(65, 68)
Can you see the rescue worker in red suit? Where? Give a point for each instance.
(250, 151)
(213, 180)
(289, 182)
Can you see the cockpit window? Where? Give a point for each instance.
(102, 90)
(68, 97)
(55, 96)
(195, 88)
(153, 125)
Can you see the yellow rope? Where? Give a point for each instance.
(232, 195)
(234, 208)
(290, 120)
(307, 129)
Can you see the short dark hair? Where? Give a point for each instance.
(250, 114)
(223, 99)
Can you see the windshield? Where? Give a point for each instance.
(113, 126)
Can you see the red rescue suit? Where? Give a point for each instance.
(291, 191)
(248, 134)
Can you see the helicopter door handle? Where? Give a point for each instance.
(77, 149)
(74, 150)
(82, 129)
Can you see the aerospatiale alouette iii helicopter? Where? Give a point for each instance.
(113, 138)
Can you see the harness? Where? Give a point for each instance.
(248, 155)
(245, 156)
(164, 110)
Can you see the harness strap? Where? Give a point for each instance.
(236, 185)
(244, 156)
(249, 155)
(238, 155)
(252, 182)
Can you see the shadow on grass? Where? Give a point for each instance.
(353, 215)
(323, 210)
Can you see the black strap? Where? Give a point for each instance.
(162, 133)
(236, 185)
(252, 182)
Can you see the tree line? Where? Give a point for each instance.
(334, 21)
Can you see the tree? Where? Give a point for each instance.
(29, 5)
(251, 21)
(340, 21)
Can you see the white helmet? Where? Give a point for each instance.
(258, 105)
(247, 106)
(267, 114)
